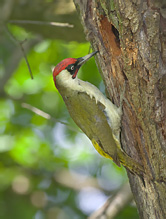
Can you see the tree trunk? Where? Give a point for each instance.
(131, 38)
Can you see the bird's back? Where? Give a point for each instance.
(90, 116)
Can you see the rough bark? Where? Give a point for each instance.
(131, 38)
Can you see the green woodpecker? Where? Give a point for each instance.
(94, 114)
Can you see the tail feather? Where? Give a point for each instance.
(132, 165)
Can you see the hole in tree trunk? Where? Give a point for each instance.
(116, 33)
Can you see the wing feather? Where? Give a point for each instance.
(91, 118)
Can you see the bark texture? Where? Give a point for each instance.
(131, 38)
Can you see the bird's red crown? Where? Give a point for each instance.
(62, 65)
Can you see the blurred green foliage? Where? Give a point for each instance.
(35, 151)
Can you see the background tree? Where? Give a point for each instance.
(131, 38)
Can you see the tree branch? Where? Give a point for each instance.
(13, 62)
(46, 115)
(75, 181)
(114, 205)
(58, 24)
(20, 44)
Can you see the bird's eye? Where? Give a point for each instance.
(71, 68)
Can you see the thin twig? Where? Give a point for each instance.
(13, 62)
(26, 60)
(46, 115)
(20, 44)
(41, 23)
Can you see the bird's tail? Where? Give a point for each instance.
(132, 165)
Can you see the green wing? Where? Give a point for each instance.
(91, 119)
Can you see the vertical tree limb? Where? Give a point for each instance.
(131, 38)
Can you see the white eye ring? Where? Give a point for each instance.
(72, 67)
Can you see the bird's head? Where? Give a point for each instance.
(71, 66)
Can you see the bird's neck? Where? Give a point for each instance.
(67, 86)
(64, 80)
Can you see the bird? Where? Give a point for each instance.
(93, 113)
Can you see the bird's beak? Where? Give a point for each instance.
(83, 59)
